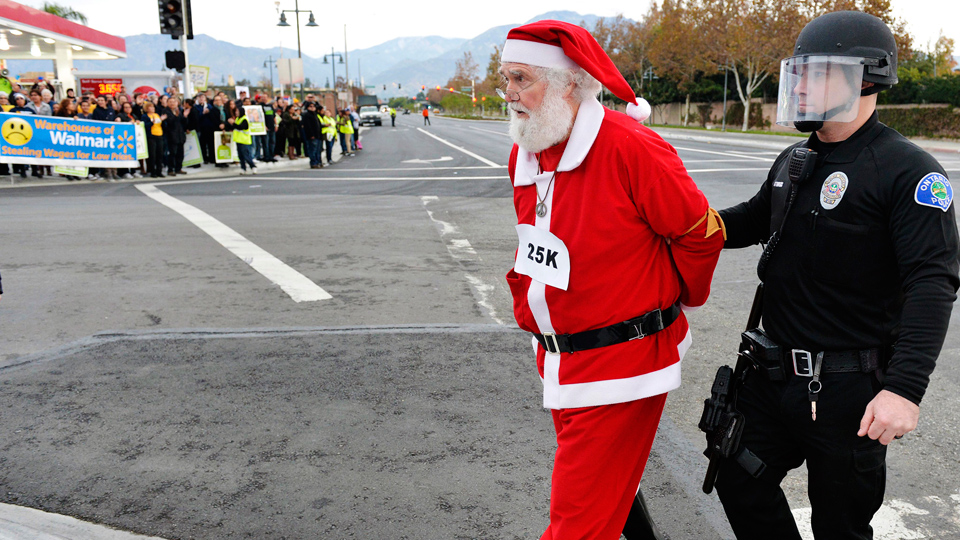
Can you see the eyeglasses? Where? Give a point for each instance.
(513, 95)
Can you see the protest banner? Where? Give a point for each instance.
(143, 151)
(45, 140)
(82, 172)
(191, 150)
(226, 147)
(199, 75)
(255, 119)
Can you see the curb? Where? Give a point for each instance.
(205, 171)
(25, 523)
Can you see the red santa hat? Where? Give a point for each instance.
(556, 44)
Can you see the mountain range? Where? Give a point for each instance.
(403, 64)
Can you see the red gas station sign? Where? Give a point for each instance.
(100, 87)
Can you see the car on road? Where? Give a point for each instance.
(370, 114)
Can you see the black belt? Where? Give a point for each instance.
(637, 328)
(801, 362)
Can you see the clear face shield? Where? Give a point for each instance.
(817, 89)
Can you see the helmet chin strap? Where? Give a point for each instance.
(807, 126)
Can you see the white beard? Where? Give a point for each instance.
(544, 127)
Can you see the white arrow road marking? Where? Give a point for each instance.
(444, 158)
(890, 522)
(461, 250)
(298, 286)
(462, 149)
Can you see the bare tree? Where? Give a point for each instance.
(466, 68)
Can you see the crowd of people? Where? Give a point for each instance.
(293, 129)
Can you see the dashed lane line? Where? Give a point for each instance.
(691, 171)
(461, 250)
(379, 178)
(460, 148)
(491, 131)
(728, 154)
(295, 284)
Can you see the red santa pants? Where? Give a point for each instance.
(601, 453)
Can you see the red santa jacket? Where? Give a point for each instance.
(635, 233)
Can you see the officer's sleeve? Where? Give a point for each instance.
(748, 223)
(926, 246)
(675, 208)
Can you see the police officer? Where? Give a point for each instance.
(859, 285)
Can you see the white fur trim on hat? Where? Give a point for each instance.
(639, 111)
(535, 54)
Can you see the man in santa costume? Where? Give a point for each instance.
(616, 242)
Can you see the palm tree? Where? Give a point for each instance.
(64, 11)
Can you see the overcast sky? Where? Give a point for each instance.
(371, 22)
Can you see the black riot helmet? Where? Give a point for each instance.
(855, 34)
(835, 53)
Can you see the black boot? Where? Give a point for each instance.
(639, 524)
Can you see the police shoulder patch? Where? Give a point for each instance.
(935, 191)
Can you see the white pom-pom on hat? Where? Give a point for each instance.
(639, 111)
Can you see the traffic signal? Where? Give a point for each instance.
(484, 98)
(176, 60)
(451, 89)
(398, 86)
(438, 87)
(474, 100)
(423, 88)
(171, 17)
(384, 87)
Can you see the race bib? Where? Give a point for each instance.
(543, 257)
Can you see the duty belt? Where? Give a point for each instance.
(801, 361)
(636, 328)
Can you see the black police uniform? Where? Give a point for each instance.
(869, 279)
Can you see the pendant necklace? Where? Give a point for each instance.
(541, 203)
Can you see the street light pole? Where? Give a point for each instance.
(333, 64)
(283, 22)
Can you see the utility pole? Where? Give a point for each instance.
(269, 62)
(346, 55)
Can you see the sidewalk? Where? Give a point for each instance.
(205, 171)
(779, 142)
(21, 523)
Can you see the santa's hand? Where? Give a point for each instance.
(889, 416)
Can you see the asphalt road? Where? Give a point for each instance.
(159, 376)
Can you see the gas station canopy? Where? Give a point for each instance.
(30, 34)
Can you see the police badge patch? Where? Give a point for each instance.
(833, 189)
(934, 190)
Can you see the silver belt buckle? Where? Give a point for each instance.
(549, 337)
(802, 362)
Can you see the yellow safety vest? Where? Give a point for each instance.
(242, 136)
(329, 126)
(346, 125)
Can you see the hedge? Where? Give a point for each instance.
(934, 122)
(944, 89)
